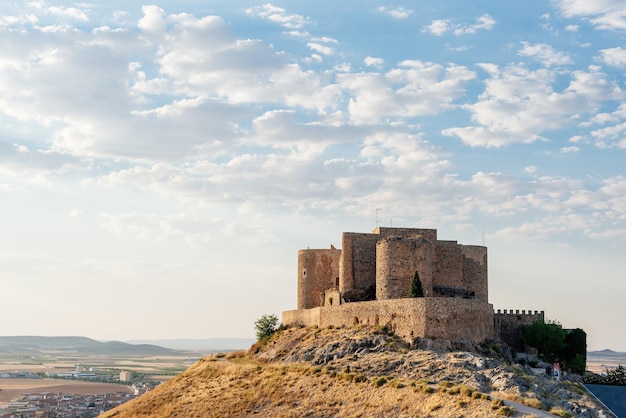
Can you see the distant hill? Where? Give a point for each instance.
(607, 353)
(36, 345)
(206, 345)
(361, 371)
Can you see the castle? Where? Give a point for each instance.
(368, 281)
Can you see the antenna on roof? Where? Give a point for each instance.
(377, 218)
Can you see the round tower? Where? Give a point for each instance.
(318, 270)
(397, 260)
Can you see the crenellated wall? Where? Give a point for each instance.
(509, 325)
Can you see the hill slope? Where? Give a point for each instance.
(314, 372)
(34, 345)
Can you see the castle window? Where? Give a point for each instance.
(304, 273)
(337, 281)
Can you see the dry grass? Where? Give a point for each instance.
(242, 386)
(322, 372)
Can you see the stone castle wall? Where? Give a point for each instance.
(318, 270)
(408, 318)
(448, 262)
(475, 271)
(397, 260)
(338, 288)
(358, 261)
(509, 326)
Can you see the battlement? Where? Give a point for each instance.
(517, 312)
(509, 325)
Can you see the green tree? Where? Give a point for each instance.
(547, 337)
(265, 326)
(416, 290)
(575, 351)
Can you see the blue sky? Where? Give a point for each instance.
(162, 163)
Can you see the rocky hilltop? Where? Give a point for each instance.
(361, 372)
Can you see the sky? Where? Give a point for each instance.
(162, 163)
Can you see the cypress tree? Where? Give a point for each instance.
(416, 290)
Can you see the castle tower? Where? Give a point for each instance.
(397, 260)
(318, 270)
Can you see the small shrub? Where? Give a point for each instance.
(346, 376)
(379, 381)
(466, 390)
(445, 384)
(461, 403)
(454, 390)
(506, 411)
(265, 326)
(534, 403)
(497, 403)
(480, 395)
(424, 389)
(359, 378)
(396, 384)
(561, 413)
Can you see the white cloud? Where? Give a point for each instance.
(373, 62)
(152, 20)
(519, 105)
(606, 14)
(615, 57)
(442, 26)
(569, 150)
(397, 13)
(414, 88)
(437, 27)
(70, 12)
(278, 15)
(571, 28)
(545, 54)
(485, 22)
(322, 49)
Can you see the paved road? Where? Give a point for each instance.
(613, 397)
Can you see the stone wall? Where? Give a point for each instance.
(448, 263)
(397, 260)
(428, 234)
(318, 270)
(509, 326)
(475, 271)
(358, 261)
(409, 318)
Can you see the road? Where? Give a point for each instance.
(614, 397)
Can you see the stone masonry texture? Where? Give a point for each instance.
(368, 282)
